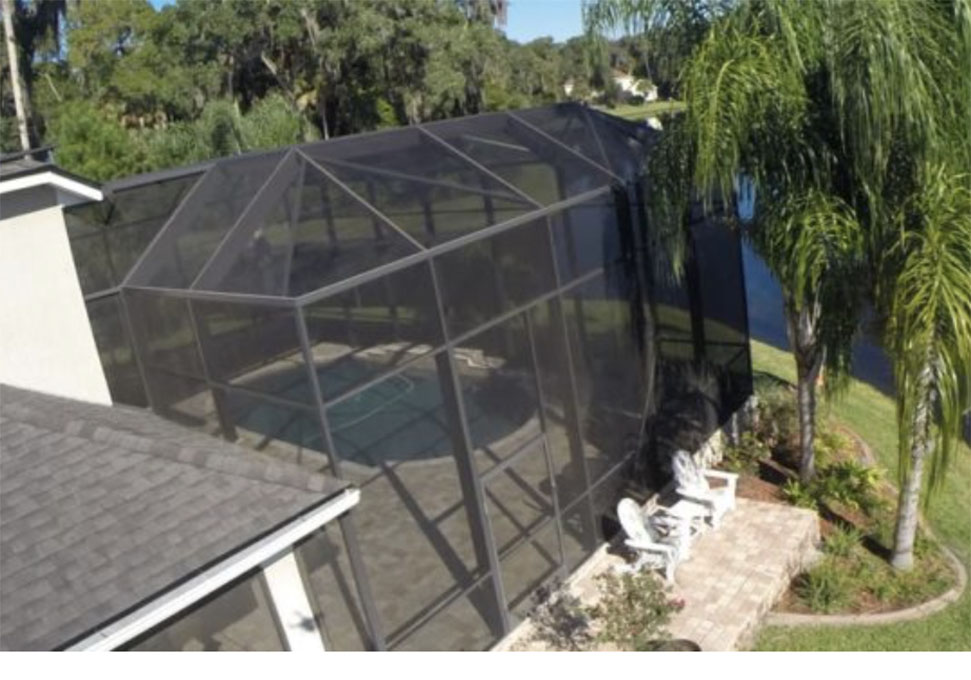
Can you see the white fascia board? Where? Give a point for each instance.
(234, 566)
(53, 179)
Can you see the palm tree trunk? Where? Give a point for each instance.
(907, 505)
(801, 327)
(16, 84)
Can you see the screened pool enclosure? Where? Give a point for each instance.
(472, 320)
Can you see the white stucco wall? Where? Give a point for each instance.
(46, 342)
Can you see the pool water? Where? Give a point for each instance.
(400, 418)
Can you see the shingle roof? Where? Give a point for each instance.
(21, 166)
(103, 508)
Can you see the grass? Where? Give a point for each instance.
(642, 111)
(871, 414)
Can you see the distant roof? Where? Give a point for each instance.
(104, 508)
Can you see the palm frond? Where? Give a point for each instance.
(891, 65)
(930, 314)
(815, 244)
(741, 90)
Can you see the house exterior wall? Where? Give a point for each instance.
(46, 342)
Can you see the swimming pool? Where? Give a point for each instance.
(400, 418)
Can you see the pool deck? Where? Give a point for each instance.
(735, 574)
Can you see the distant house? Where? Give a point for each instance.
(635, 87)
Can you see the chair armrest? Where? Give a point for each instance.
(667, 550)
(730, 478)
(693, 496)
(718, 474)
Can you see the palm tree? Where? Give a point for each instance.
(748, 87)
(929, 336)
(827, 107)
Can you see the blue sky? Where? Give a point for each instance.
(529, 19)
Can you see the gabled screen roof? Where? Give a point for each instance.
(289, 222)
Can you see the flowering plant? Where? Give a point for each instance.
(634, 610)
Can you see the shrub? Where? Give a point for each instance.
(799, 494)
(850, 483)
(924, 546)
(882, 588)
(829, 443)
(560, 621)
(745, 456)
(847, 482)
(777, 422)
(826, 587)
(634, 610)
(842, 541)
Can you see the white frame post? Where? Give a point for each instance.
(292, 604)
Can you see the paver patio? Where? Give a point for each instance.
(733, 577)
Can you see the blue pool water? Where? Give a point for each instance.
(400, 418)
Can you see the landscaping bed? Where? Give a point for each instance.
(856, 513)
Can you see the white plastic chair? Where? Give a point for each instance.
(692, 485)
(652, 549)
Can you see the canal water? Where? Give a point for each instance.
(767, 324)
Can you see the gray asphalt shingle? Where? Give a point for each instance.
(102, 508)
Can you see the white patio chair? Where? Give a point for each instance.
(653, 550)
(692, 485)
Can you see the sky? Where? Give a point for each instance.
(528, 19)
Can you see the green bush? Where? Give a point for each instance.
(842, 541)
(882, 587)
(799, 494)
(829, 443)
(826, 587)
(853, 484)
(777, 419)
(634, 610)
(745, 456)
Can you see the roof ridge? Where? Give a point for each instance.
(223, 456)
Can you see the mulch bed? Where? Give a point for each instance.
(767, 485)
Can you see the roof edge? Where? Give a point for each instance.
(166, 604)
(51, 174)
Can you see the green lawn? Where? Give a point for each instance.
(641, 111)
(871, 414)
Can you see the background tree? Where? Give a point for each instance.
(662, 34)
(182, 81)
(32, 30)
(13, 66)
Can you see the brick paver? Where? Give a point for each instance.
(733, 577)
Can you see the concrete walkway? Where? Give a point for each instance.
(734, 576)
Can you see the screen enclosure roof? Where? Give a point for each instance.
(299, 221)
